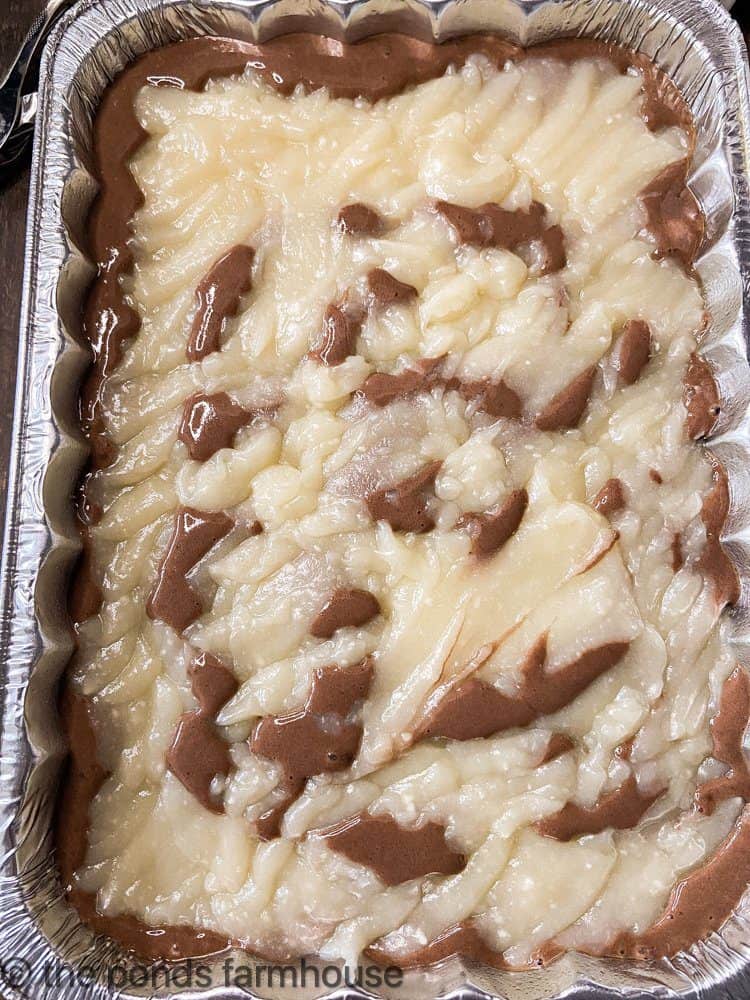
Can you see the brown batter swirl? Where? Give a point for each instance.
(491, 530)
(384, 290)
(174, 600)
(701, 398)
(381, 388)
(197, 756)
(405, 505)
(558, 744)
(212, 683)
(395, 853)
(361, 220)
(678, 556)
(632, 351)
(699, 904)
(610, 498)
(493, 226)
(210, 422)
(566, 409)
(218, 300)
(494, 397)
(338, 338)
(473, 708)
(85, 595)
(728, 731)
(83, 778)
(620, 809)
(345, 608)
(714, 562)
(674, 216)
(323, 737)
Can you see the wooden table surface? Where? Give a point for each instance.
(16, 17)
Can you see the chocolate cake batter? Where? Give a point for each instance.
(374, 69)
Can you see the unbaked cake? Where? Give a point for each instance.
(399, 616)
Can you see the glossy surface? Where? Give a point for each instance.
(673, 980)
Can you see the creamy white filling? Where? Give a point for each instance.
(242, 164)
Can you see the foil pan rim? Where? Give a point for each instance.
(41, 542)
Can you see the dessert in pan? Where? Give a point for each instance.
(399, 617)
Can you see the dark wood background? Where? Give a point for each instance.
(16, 17)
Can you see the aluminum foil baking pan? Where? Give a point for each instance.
(44, 950)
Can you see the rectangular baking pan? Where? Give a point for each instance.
(44, 950)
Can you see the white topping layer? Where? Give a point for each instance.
(240, 164)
